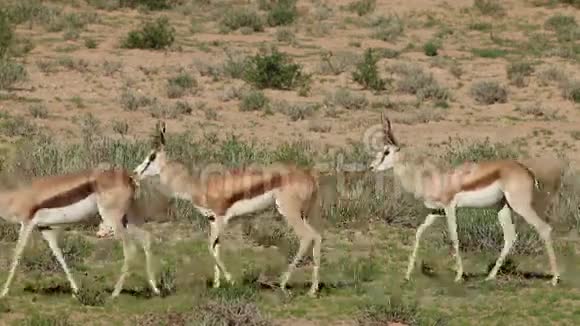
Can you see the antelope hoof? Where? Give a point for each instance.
(313, 293)
(490, 278)
(555, 280)
(459, 279)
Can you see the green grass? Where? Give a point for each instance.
(368, 233)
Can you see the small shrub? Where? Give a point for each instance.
(254, 101)
(283, 12)
(347, 99)
(362, 7)
(121, 127)
(148, 4)
(366, 72)
(566, 27)
(560, 22)
(489, 53)
(167, 281)
(431, 48)
(6, 34)
(8, 231)
(285, 35)
(182, 107)
(489, 7)
(181, 85)
(235, 65)
(337, 63)
(274, 70)
(131, 101)
(480, 26)
(90, 294)
(45, 320)
(237, 18)
(38, 110)
(11, 73)
(235, 312)
(552, 74)
(419, 83)
(90, 43)
(393, 311)
(299, 111)
(517, 72)
(18, 127)
(571, 90)
(158, 34)
(111, 67)
(488, 92)
(389, 28)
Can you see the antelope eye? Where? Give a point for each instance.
(387, 151)
(152, 156)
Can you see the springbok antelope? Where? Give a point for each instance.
(51, 202)
(222, 196)
(504, 184)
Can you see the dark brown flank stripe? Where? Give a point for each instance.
(66, 198)
(481, 182)
(256, 190)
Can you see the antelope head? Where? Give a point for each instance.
(151, 166)
(385, 159)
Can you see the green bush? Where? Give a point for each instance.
(149, 4)
(283, 12)
(366, 72)
(274, 70)
(431, 48)
(158, 34)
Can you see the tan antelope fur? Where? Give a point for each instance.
(505, 184)
(235, 192)
(52, 202)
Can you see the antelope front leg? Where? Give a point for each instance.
(420, 230)
(214, 249)
(452, 226)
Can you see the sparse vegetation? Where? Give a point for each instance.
(254, 101)
(11, 73)
(158, 34)
(388, 28)
(518, 72)
(362, 7)
(131, 100)
(237, 18)
(571, 90)
(413, 80)
(180, 85)
(489, 7)
(488, 92)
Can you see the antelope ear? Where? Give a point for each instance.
(161, 129)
